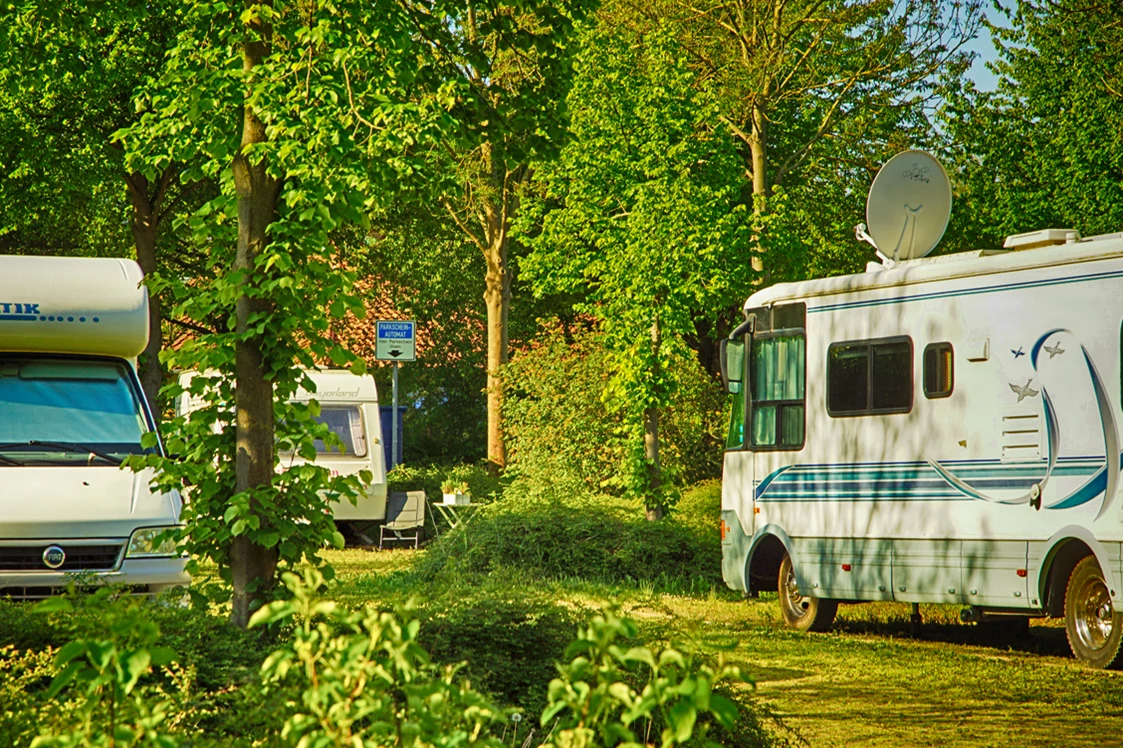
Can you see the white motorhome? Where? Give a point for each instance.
(349, 407)
(71, 407)
(936, 430)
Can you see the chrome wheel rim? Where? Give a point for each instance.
(1095, 616)
(796, 602)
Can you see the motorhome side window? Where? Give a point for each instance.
(939, 370)
(869, 377)
(777, 367)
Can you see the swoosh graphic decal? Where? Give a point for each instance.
(1104, 481)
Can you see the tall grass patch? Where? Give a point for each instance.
(596, 538)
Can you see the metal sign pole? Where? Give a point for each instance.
(394, 421)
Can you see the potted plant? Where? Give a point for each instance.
(455, 492)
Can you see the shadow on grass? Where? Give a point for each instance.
(1004, 635)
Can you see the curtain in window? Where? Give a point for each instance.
(778, 368)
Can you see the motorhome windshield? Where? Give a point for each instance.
(67, 412)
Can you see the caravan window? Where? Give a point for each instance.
(939, 371)
(347, 423)
(869, 377)
(777, 366)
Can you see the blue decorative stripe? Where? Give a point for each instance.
(18, 318)
(965, 292)
(916, 481)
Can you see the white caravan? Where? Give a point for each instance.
(349, 407)
(71, 408)
(935, 430)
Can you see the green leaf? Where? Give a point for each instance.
(682, 719)
(724, 710)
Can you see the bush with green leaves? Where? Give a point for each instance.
(364, 679)
(594, 538)
(101, 695)
(508, 636)
(562, 438)
(596, 703)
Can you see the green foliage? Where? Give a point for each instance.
(480, 482)
(564, 441)
(64, 90)
(1042, 150)
(642, 214)
(594, 538)
(597, 705)
(24, 675)
(365, 678)
(104, 676)
(509, 637)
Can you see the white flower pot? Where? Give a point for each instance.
(458, 499)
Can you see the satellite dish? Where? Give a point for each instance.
(908, 207)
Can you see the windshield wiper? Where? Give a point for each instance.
(67, 446)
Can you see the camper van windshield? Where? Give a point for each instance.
(62, 411)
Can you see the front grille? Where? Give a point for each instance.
(42, 592)
(78, 557)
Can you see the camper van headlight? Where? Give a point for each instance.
(146, 541)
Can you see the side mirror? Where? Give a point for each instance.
(732, 364)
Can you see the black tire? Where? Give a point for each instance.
(1093, 626)
(799, 611)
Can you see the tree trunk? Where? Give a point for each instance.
(497, 297)
(145, 223)
(758, 147)
(252, 565)
(655, 508)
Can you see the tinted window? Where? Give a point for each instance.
(891, 376)
(939, 371)
(848, 378)
(871, 376)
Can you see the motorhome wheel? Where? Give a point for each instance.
(801, 612)
(1093, 625)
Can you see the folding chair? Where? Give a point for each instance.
(404, 512)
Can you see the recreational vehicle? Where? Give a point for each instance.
(935, 430)
(71, 408)
(349, 407)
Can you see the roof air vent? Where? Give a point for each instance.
(1043, 238)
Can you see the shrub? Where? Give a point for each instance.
(599, 539)
(365, 680)
(102, 679)
(508, 642)
(596, 702)
(562, 440)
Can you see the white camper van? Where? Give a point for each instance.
(935, 430)
(349, 407)
(71, 408)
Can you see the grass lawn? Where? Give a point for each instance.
(870, 682)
